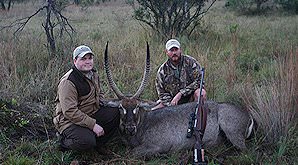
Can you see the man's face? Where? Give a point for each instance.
(174, 54)
(84, 64)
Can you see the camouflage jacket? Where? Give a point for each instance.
(184, 78)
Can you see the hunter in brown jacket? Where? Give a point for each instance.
(81, 120)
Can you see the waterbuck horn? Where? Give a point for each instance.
(145, 76)
(111, 82)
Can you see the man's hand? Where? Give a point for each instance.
(197, 94)
(204, 94)
(158, 106)
(98, 130)
(176, 98)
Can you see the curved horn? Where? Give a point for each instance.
(146, 75)
(109, 75)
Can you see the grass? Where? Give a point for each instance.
(273, 103)
(254, 66)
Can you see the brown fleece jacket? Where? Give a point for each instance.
(77, 100)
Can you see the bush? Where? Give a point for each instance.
(247, 5)
(289, 5)
(171, 18)
(239, 4)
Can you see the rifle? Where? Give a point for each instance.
(196, 127)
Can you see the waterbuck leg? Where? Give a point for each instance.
(212, 132)
(148, 150)
(233, 122)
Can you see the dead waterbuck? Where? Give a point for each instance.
(164, 130)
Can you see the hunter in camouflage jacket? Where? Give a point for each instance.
(170, 79)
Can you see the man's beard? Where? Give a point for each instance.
(175, 59)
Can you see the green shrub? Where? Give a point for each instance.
(289, 5)
(239, 4)
(19, 160)
(246, 5)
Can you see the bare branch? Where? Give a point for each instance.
(21, 23)
(54, 19)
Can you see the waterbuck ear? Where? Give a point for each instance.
(146, 106)
(113, 104)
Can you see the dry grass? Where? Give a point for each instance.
(263, 51)
(274, 103)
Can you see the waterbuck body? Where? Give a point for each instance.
(164, 130)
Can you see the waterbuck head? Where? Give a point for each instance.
(131, 107)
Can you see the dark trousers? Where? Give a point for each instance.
(77, 137)
(186, 99)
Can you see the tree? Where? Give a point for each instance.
(7, 4)
(171, 18)
(53, 20)
(2, 4)
(259, 3)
